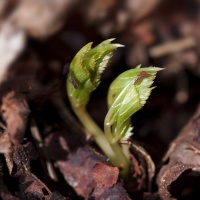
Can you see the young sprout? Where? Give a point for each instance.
(83, 78)
(127, 94)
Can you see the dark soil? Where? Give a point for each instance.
(44, 152)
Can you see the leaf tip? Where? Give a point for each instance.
(119, 45)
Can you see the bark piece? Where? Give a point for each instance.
(182, 161)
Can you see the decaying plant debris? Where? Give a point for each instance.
(44, 153)
(182, 162)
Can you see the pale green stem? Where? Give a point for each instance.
(112, 150)
(96, 133)
(123, 161)
(126, 150)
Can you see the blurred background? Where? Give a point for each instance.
(39, 38)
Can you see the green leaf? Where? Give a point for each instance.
(128, 94)
(86, 69)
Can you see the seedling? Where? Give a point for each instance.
(127, 94)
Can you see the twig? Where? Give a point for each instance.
(172, 47)
(39, 142)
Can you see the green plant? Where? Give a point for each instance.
(127, 94)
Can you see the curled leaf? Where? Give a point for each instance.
(86, 69)
(128, 94)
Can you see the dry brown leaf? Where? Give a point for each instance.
(78, 167)
(183, 160)
(31, 187)
(15, 112)
(105, 175)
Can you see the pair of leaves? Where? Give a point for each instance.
(128, 94)
(86, 69)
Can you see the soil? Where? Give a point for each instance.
(45, 152)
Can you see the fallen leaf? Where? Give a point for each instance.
(32, 188)
(182, 160)
(15, 112)
(80, 167)
(105, 175)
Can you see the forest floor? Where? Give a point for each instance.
(44, 152)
